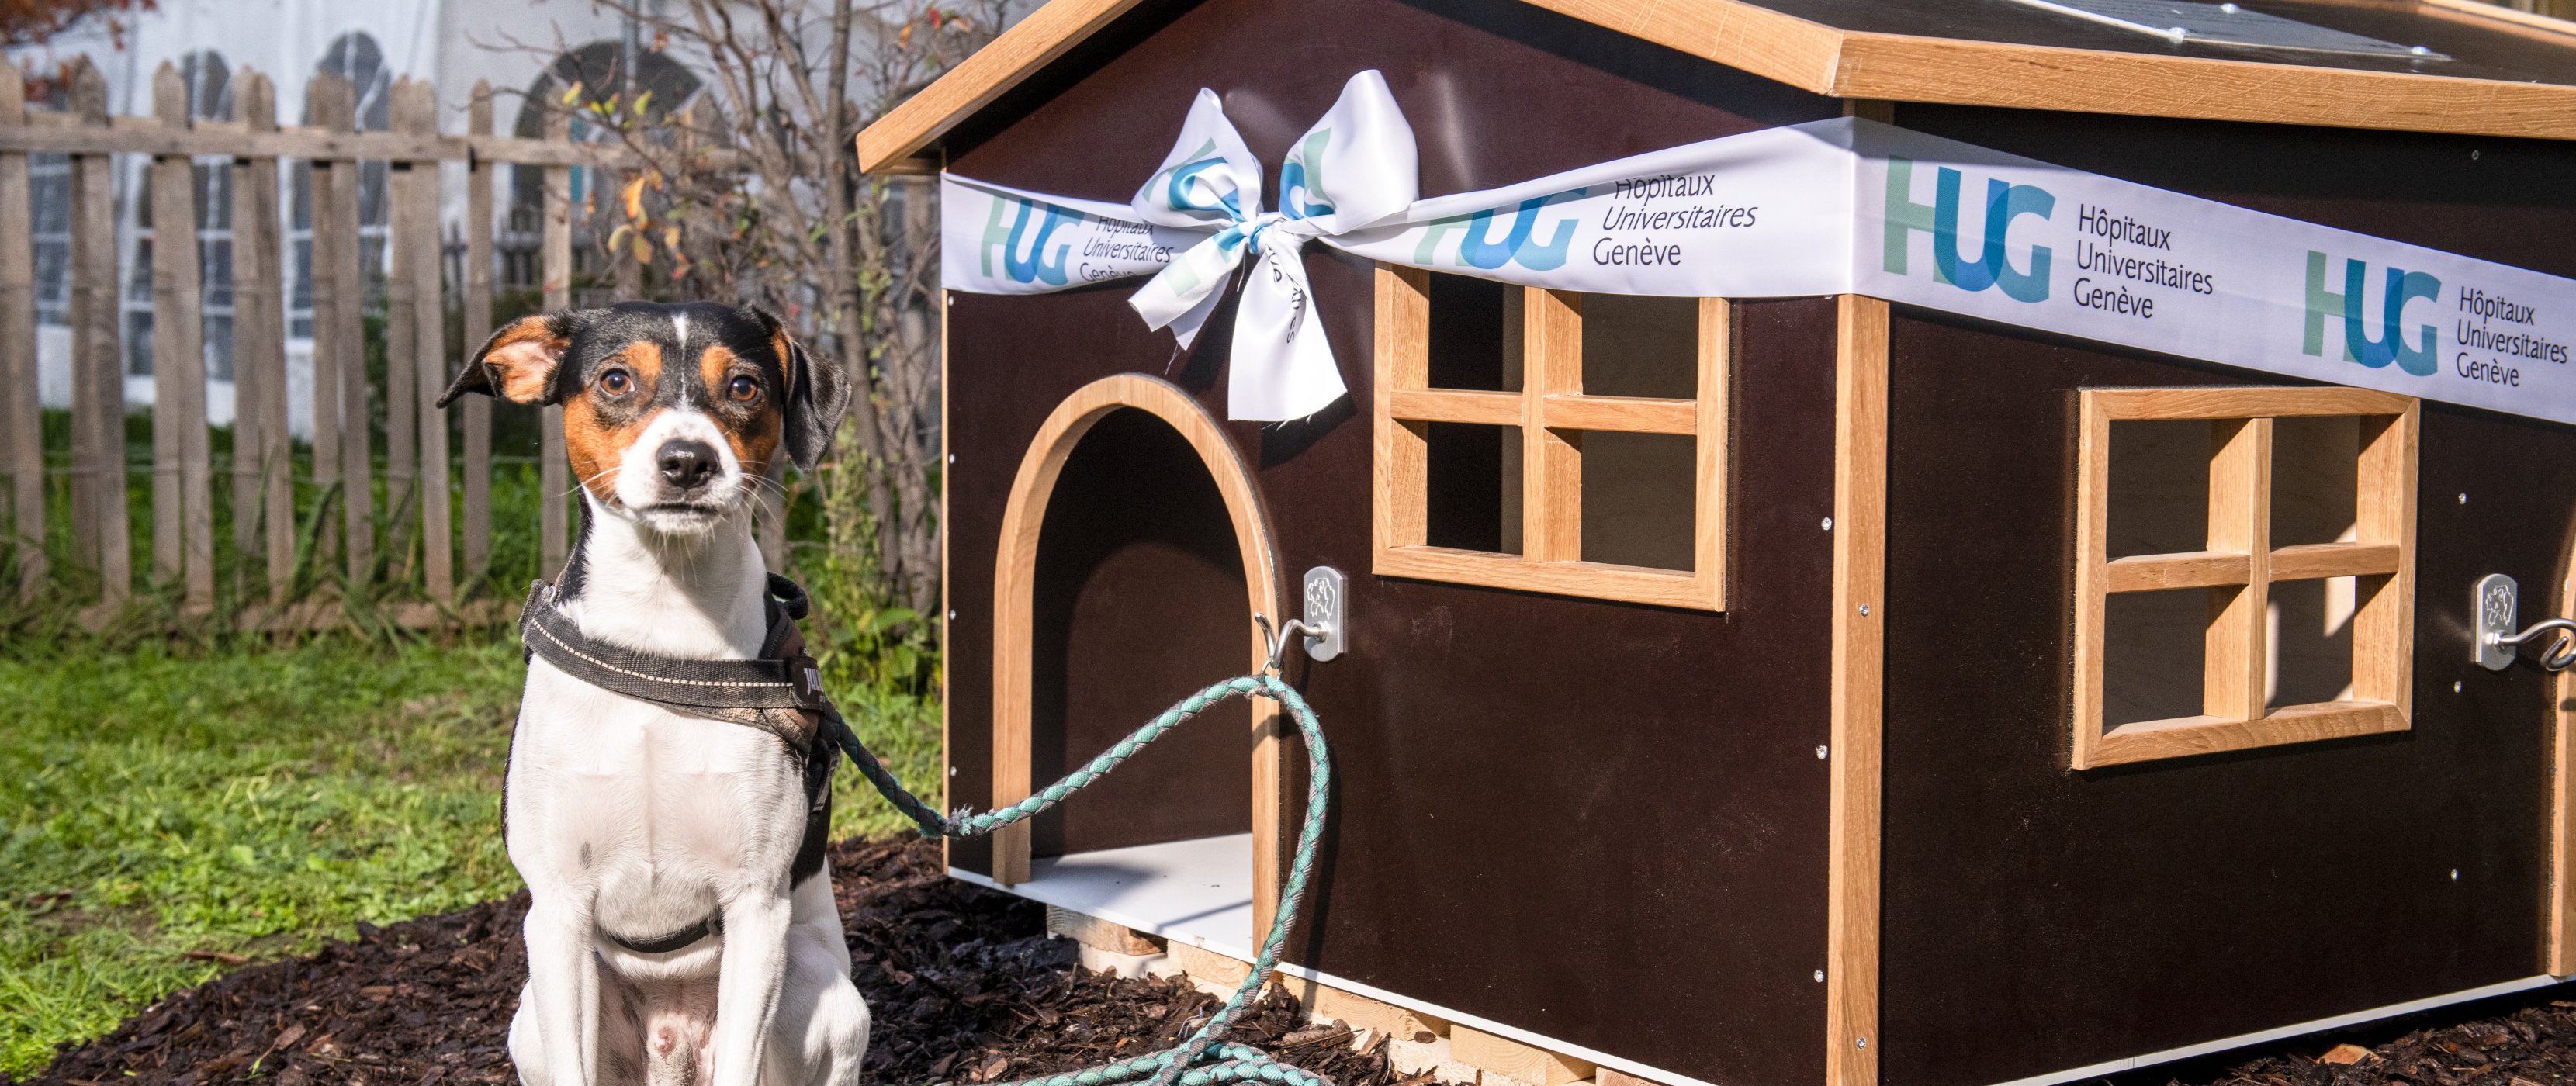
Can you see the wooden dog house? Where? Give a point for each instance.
(1868, 694)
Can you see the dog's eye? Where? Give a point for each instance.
(615, 382)
(743, 389)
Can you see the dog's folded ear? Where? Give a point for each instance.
(816, 394)
(519, 362)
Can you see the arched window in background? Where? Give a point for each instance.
(355, 57)
(596, 67)
(210, 97)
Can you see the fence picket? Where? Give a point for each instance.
(402, 441)
(554, 476)
(323, 296)
(477, 328)
(259, 334)
(338, 219)
(98, 366)
(183, 531)
(22, 427)
(416, 260)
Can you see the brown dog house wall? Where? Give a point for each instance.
(1783, 689)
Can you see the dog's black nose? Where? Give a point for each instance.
(686, 464)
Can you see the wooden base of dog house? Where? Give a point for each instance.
(1184, 908)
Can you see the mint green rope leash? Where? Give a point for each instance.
(1202, 1059)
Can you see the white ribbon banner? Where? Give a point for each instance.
(1829, 207)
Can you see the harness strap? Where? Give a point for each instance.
(785, 678)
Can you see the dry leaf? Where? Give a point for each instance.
(2345, 1053)
(215, 956)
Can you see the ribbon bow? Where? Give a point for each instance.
(1355, 168)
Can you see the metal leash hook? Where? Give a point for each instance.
(2559, 656)
(1324, 640)
(2497, 605)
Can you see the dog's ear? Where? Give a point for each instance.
(816, 395)
(519, 362)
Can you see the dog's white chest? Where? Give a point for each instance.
(634, 803)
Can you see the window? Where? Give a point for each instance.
(2245, 569)
(1550, 441)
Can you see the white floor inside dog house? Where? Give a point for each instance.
(1197, 891)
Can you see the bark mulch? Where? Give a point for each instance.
(965, 986)
(2525, 1039)
(963, 983)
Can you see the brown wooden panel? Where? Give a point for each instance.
(1602, 822)
(2269, 866)
(2040, 919)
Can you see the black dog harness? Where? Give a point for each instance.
(781, 693)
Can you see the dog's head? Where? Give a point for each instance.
(671, 412)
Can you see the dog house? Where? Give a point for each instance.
(1880, 666)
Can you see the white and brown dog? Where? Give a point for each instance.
(682, 928)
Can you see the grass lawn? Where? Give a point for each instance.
(168, 813)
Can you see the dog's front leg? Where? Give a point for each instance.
(748, 983)
(564, 982)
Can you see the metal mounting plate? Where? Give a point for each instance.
(2498, 607)
(1325, 593)
(2180, 21)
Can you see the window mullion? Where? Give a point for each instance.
(2240, 520)
(1551, 460)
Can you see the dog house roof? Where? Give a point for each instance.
(2490, 70)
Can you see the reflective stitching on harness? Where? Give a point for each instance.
(539, 625)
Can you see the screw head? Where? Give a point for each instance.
(2455, 686)
(1821, 750)
(1820, 976)
(1864, 608)
(1829, 524)
(1860, 1042)
(2464, 497)
(2455, 874)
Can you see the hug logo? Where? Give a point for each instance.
(1478, 248)
(1038, 266)
(2348, 306)
(1940, 218)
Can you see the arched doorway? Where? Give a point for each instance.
(1117, 530)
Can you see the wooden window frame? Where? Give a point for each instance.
(2240, 558)
(1552, 413)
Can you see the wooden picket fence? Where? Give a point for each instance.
(420, 360)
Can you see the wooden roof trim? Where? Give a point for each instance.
(2482, 11)
(1001, 64)
(1945, 70)
(1847, 64)
(1767, 43)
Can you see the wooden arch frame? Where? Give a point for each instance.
(1014, 598)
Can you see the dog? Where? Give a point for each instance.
(682, 928)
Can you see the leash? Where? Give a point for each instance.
(786, 683)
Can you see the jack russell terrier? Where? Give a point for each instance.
(682, 928)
